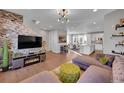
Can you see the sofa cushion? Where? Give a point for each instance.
(42, 77)
(98, 56)
(118, 70)
(82, 66)
(95, 74)
(108, 56)
(87, 60)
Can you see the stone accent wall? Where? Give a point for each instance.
(11, 16)
(11, 30)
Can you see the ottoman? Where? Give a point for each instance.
(69, 73)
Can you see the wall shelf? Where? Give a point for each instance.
(120, 34)
(117, 35)
(119, 45)
(118, 26)
(120, 53)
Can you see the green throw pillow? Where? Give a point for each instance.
(103, 60)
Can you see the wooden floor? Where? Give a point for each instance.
(52, 61)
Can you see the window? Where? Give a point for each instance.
(79, 39)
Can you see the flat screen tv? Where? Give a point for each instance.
(25, 42)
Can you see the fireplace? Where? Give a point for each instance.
(32, 59)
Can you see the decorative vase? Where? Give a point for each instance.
(5, 64)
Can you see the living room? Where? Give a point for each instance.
(61, 45)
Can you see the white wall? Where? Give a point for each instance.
(94, 37)
(111, 19)
(89, 38)
(53, 41)
(97, 35)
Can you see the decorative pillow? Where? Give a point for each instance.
(103, 60)
(110, 60)
(109, 57)
(98, 56)
(109, 64)
(118, 70)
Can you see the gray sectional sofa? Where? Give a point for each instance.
(95, 73)
(42, 77)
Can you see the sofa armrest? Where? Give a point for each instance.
(95, 74)
(87, 60)
(42, 77)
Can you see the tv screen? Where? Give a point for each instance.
(29, 42)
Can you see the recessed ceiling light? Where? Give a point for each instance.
(94, 23)
(36, 22)
(62, 22)
(95, 10)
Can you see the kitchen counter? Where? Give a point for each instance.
(87, 49)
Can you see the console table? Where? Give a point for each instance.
(30, 59)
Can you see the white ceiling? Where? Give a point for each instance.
(80, 19)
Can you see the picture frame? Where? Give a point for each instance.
(62, 39)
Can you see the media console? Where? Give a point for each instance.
(30, 59)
